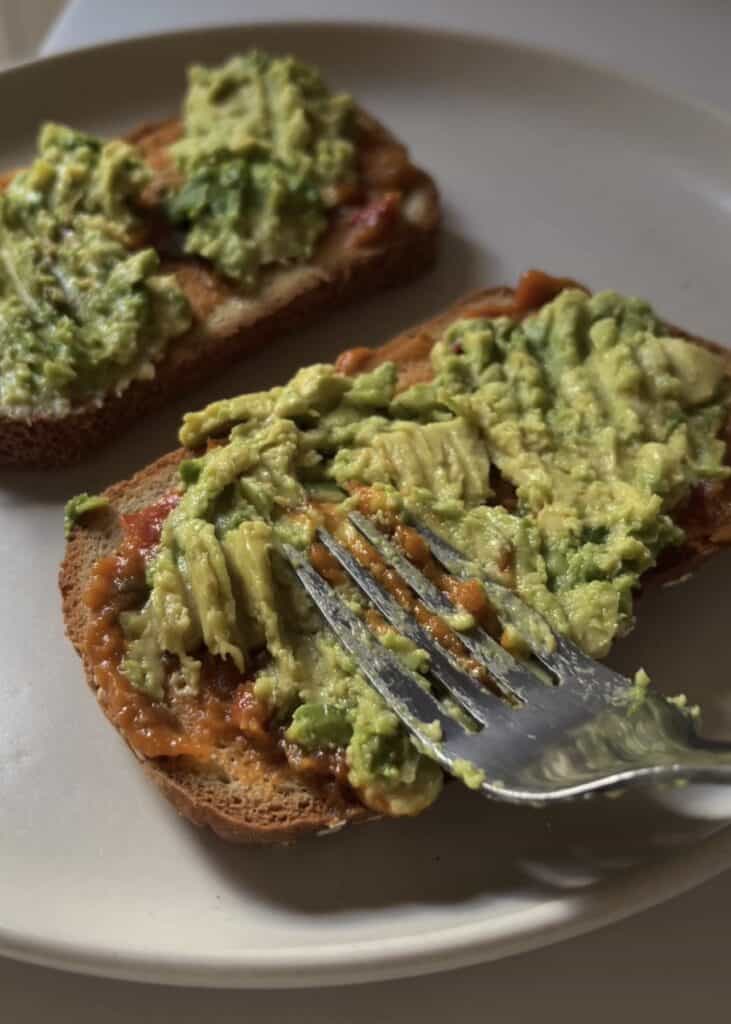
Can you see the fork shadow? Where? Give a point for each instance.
(462, 850)
(465, 848)
(682, 640)
(461, 266)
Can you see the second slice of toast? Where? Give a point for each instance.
(387, 241)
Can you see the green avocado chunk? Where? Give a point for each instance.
(248, 550)
(210, 585)
(599, 421)
(319, 727)
(446, 459)
(78, 506)
(82, 311)
(264, 144)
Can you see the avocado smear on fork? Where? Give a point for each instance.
(600, 420)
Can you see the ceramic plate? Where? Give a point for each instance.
(542, 162)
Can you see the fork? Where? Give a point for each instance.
(561, 725)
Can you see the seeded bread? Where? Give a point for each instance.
(348, 263)
(246, 796)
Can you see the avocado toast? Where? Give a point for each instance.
(574, 444)
(132, 271)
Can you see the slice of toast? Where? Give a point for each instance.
(249, 796)
(388, 240)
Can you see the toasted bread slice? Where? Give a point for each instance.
(388, 240)
(248, 796)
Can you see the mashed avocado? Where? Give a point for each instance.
(78, 506)
(600, 421)
(81, 312)
(264, 144)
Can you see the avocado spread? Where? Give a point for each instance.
(82, 312)
(264, 145)
(601, 422)
(79, 506)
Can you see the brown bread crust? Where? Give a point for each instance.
(248, 797)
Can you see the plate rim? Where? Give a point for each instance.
(375, 960)
(370, 960)
(397, 26)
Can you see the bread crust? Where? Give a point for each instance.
(263, 799)
(227, 324)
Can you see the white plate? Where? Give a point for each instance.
(542, 162)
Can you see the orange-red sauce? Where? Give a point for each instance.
(190, 726)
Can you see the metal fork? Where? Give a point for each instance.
(566, 726)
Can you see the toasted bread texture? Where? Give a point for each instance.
(389, 241)
(246, 795)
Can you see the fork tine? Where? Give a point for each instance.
(540, 637)
(472, 694)
(514, 678)
(402, 689)
(558, 654)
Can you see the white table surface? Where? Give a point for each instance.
(670, 962)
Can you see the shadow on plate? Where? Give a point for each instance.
(682, 640)
(466, 847)
(460, 268)
(462, 849)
